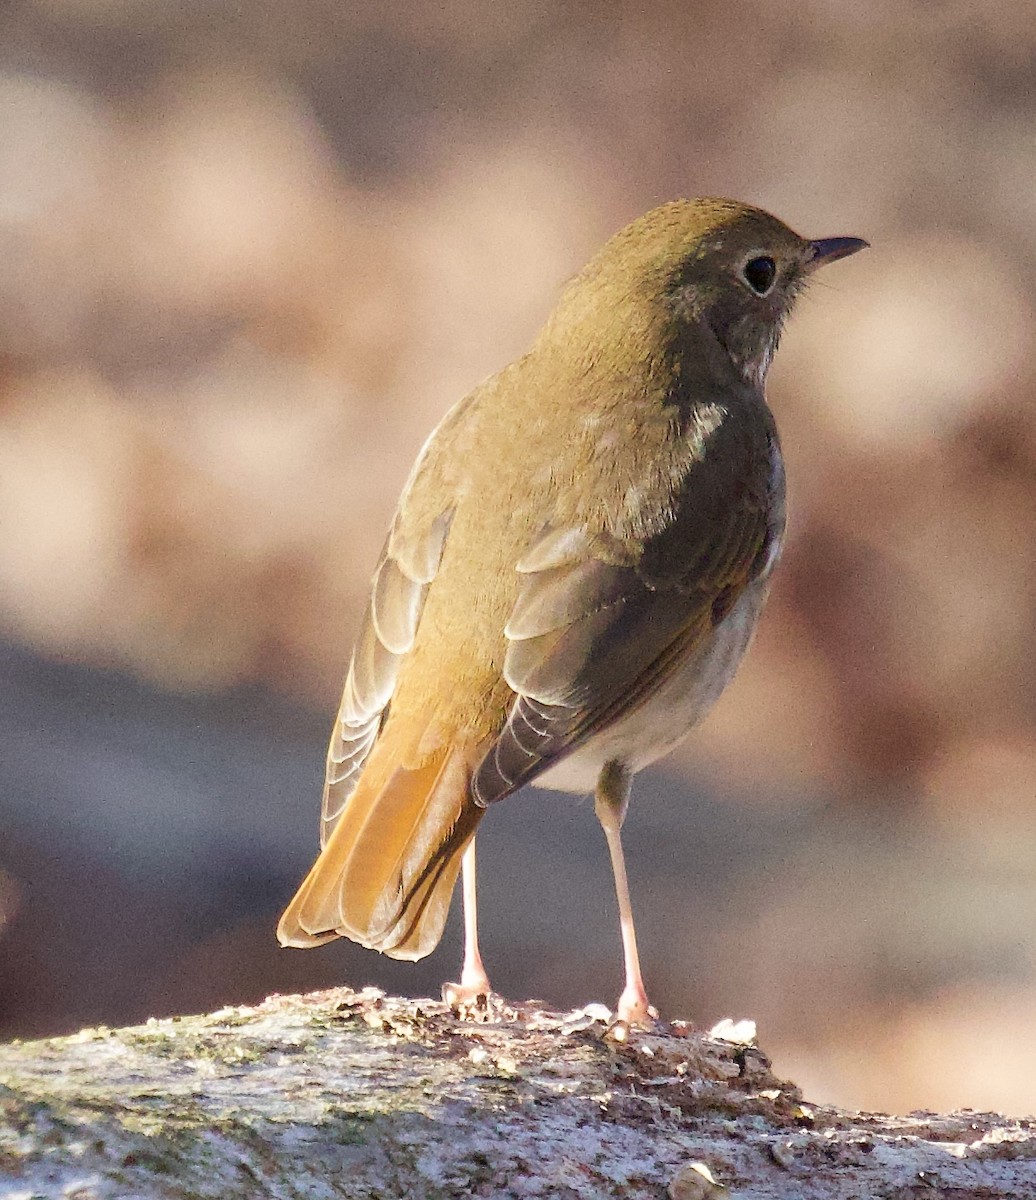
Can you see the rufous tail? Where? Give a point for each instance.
(387, 873)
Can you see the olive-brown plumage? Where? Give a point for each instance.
(571, 577)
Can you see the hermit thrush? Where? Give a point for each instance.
(573, 573)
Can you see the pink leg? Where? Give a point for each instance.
(474, 988)
(473, 977)
(610, 802)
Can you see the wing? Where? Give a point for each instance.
(598, 626)
(407, 566)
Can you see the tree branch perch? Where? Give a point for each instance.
(346, 1094)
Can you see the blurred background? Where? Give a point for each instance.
(249, 254)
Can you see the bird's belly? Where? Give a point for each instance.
(654, 727)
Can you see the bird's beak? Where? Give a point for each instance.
(827, 250)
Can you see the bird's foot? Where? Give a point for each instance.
(473, 999)
(634, 1007)
(461, 998)
(633, 1011)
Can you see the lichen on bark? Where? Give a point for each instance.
(344, 1094)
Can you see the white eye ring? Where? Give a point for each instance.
(760, 273)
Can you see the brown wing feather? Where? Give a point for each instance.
(590, 639)
(395, 816)
(389, 627)
(390, 834)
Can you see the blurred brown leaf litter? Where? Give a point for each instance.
(249, 258)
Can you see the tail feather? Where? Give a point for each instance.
(419, 929)
(398, 829)
(388, 871)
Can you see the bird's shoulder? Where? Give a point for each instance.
(664, 491)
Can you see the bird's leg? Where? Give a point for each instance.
(610, 802)
(473, 977)
(473, 990)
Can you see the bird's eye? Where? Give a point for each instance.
(759, 274)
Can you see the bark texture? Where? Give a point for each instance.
(346, 1094)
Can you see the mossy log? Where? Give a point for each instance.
(355, 1094)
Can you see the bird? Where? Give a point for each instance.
(572, 575)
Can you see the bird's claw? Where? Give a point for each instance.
(469, 1003)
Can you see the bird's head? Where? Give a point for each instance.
(717, 266)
